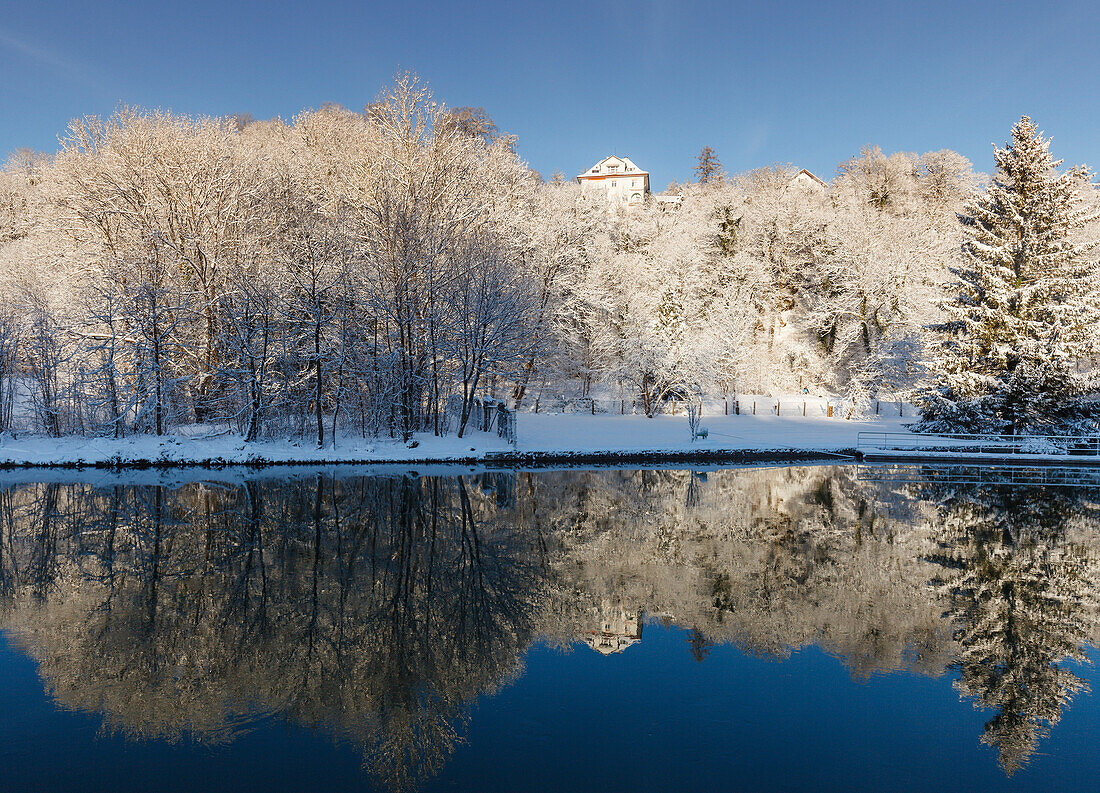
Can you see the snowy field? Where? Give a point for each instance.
(625, 434)
(538, 435)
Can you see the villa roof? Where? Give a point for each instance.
(628, 167)
(811, 175)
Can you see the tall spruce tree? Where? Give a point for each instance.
(708, 170)
(1016, 352)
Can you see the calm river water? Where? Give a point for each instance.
(768, 629)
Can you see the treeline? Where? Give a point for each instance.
(376, 271)
(770, 283)
(353, 268)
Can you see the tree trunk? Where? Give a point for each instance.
(317, 407)
(469, 389)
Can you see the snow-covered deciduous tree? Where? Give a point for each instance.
(558, 232)
(945, 179)
(472, 121)
(876, 276)
(888, 183)
(9, 363)
(491, 314)
(1015, 353)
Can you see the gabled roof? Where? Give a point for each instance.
(811, 175)
(627, 164)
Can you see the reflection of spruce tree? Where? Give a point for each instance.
(700, 645)
(1019, 590)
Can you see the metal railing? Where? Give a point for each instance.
(962, 474)
(871, 443)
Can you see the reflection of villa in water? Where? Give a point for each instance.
(618, 629)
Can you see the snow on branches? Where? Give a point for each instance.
(1016, 349)
(361, 271)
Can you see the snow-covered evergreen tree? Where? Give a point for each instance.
(1014, 353)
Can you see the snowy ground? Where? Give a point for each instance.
(622, 434)
(540, 435)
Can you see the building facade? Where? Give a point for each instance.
(617, 180)
(618, 627)
(804, 180)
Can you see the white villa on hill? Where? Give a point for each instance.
(621, 183)
(617, 179)
(807, 181)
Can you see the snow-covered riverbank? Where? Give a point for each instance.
(546, 436)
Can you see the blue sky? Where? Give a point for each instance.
(801, 82)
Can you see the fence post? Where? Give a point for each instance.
(754, 407)
(803, 409)
(726, 407)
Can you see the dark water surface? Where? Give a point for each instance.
(798, 628)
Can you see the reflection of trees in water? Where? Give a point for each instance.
(1019, 576)
(778, 560)
(768, 560)
(373, 608)
(377, 609)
